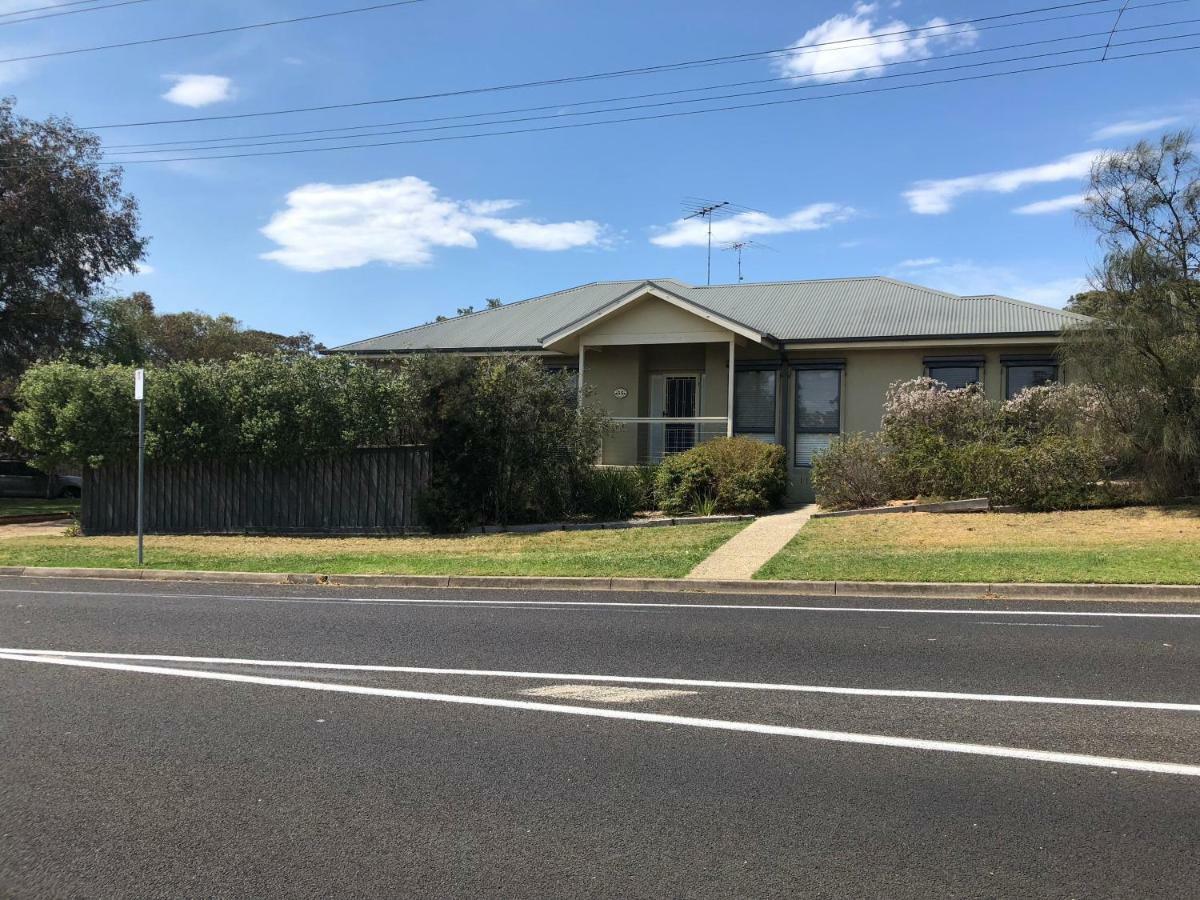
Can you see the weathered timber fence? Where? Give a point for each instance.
(360, 492)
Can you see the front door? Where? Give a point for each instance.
(680, 396)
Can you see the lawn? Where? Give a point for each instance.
(665, 552)
(1153, 545)
(32, 506)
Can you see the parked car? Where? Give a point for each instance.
(19, 479)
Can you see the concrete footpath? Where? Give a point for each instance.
(847, 590)
(750, 549)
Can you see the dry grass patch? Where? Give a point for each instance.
(1137, 545)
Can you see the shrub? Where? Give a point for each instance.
(614, 492)
(1047, 448)
(852, 473)
(728, 474)
(507, 441)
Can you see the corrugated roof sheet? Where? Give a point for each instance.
(790, 311)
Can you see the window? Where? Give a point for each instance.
(955, 372)
(818, 411)
(1022, 373)
(754, 401)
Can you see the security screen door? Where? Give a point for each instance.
(680, 393)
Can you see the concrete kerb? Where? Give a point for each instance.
(847, 590)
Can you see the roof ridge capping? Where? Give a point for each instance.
(1025, 304)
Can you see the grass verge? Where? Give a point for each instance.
(32, 506)
(1148, 545)
(667, 552)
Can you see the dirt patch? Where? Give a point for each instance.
(34, 529)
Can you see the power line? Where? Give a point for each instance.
(20, 12)
(298, 136)
(670, 103)
(70, 12)
(670, 115)
(641, 70)
(210, 32)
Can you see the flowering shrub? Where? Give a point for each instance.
(1047, 448)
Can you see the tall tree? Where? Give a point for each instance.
(128, 331)
(66, 226)
(1144, 351)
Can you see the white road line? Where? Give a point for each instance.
(616, 604)
(615, 679)
(844, 737)
(1041, 624)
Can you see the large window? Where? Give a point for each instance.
(818, 411)
(1022, 373)
(754, 401)
(955, 372)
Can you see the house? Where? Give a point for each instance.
(792, 362)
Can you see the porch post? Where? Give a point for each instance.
(581, 352)
(729, 405)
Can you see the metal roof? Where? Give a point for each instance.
(837, 309)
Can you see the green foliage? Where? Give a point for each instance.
(727, 475)
(65, 228)
(1045, 449)
(128, 331)
(276, 407)
(1143, 353)
(611, 493)
(507, 442)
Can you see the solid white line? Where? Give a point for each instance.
(844, 737)
(618, 679)
(618, 604)
(1040, 624)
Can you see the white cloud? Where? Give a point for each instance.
(865, 43)
(199, 90)
(919, 263)
(934, 197)
(694, 232)
(401, 221)
(1058, 204)
(969, 278)
(1130, 127)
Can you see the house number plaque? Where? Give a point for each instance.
(620, 393)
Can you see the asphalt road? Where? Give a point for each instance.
(167, 740)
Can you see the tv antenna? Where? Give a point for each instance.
(703, 208)
(739, 246)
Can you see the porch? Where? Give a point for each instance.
(667, 398)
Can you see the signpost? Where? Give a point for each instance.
(139, 394)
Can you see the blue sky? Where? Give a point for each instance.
(966, 187)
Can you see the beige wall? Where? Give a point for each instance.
(868, 374)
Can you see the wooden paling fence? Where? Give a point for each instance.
(360, 492)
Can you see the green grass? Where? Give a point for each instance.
(32, 506)
(1150, 545)
(665, 552)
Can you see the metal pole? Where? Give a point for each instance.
(708, 277)
(141, 490)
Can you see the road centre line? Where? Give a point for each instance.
(1040, 624)
(1047, 756)
(615, 679)
(525, 604)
